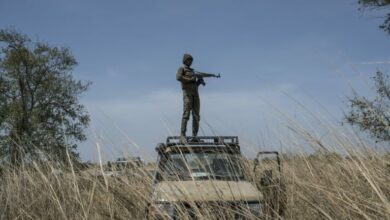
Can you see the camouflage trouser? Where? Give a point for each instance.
(191, 103)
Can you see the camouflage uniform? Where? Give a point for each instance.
(191, 101)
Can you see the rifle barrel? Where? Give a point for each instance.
(206, 74)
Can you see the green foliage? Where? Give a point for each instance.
(40, 116)
(373, 116)
(379, 4)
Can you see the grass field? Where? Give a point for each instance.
(323, 185)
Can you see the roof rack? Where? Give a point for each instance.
(203, 140)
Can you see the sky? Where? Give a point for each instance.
(278, 61)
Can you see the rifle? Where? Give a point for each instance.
(200, 76)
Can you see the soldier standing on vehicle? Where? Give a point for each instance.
(191, 101)
(190, 81)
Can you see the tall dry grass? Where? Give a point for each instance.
(324, 185)
(327, 186)
(42, 192)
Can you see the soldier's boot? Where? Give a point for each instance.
(183, 130)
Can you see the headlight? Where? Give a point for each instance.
(165, 209)
(255, 208)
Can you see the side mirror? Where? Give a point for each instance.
(267, 168)
(256, 162)
(266, 178)
(268, 164)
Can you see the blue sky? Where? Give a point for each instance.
(270, 54)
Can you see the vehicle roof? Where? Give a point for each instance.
(203, 140)
(201, 143)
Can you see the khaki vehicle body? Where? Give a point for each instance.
(208, 171)
(212, 190)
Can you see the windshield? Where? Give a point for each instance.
(195, 166)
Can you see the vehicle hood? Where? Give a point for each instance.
(174, 191)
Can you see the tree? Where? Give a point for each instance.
(373, 116)
(40, 116)
(379, 4)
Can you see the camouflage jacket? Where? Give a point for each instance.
(189, 84)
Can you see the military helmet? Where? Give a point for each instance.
(187, 57)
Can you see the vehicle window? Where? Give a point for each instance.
(215, 165)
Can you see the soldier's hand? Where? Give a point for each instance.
(193, 79)
(201, 82)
